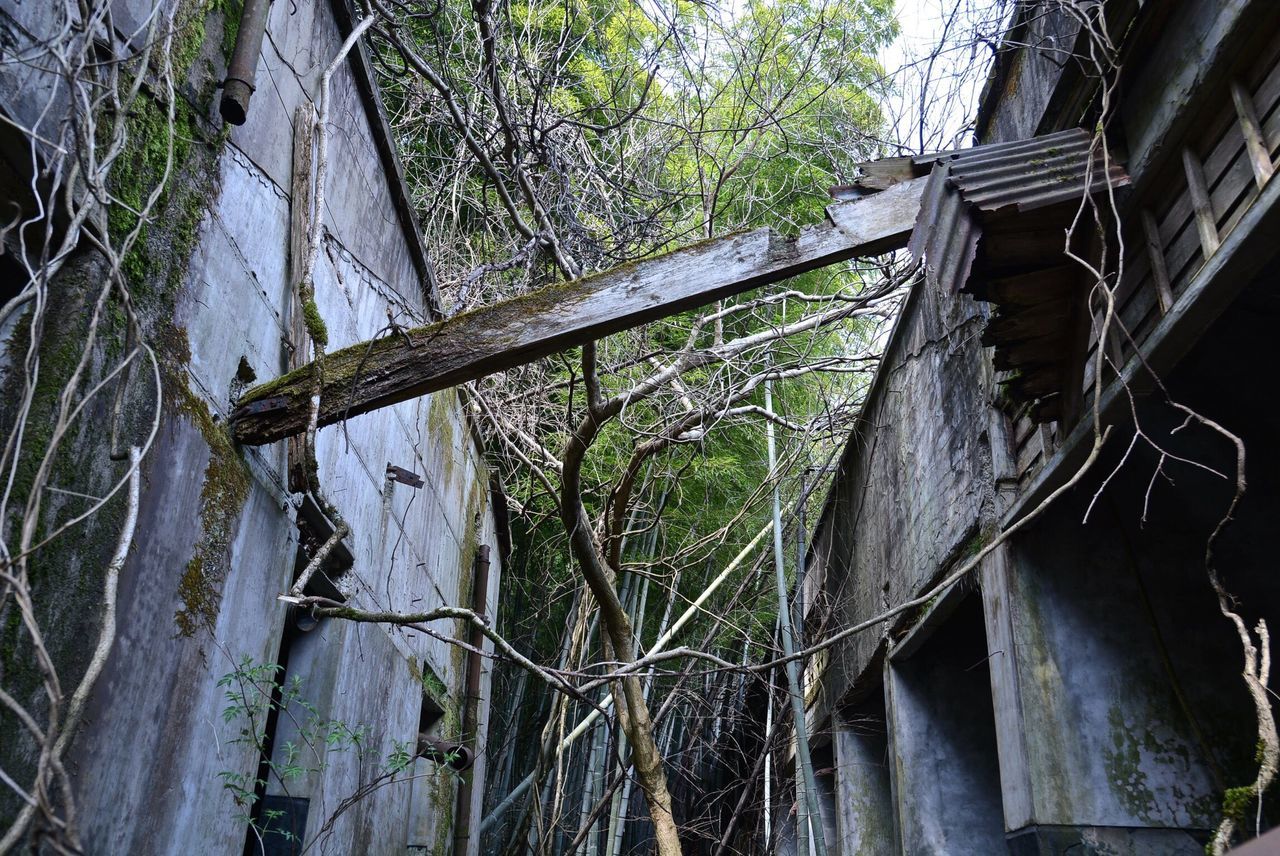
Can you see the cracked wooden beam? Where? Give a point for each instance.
(386, 371)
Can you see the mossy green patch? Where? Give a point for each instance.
(155, 268)
(222, 498)
(1237, 801)
(192, 39)
(440, 411)
(1123, 763)
(316, 328)
(231, 12)
(434, 686)
(153, 264)
(66, 574)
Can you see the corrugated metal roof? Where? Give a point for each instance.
(999, 183)
(1035, 173)
(946, 232)
(971, 187)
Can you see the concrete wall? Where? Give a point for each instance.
(910, 494)
(152, 756)
(1080, 693)
(946, 781)
(1037, 52)
(864, 816)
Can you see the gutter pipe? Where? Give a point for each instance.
(238, 87)
(471, 701)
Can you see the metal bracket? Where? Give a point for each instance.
(404, 476)
(262, 405)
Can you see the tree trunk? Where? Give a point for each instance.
(633, 711)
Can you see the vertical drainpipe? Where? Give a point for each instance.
(238, 87)
(471, 702)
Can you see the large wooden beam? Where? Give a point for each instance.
(415, 362)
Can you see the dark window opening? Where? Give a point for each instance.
(13, 276)
(284, 825)
(266, 817)
(431, 716)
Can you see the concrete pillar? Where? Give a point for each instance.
(946, 780)
(864, 818)
(1110, 687)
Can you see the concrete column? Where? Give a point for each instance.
(1108, 679)
(864, 817)
(946, 780)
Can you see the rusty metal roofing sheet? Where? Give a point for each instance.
(967, 188)
(946, 233)
(1031, 174)
(978, 187)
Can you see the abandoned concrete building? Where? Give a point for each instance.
(1080, 691)
(221, 533)
(1083, 692)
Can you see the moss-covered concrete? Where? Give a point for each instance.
(156, 269)
(66, 575)
(222, 496)
(440, 410)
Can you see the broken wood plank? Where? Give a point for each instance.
(1025, 290)
(1044, 319)
(411, 363)
(300, 205)
(864, 221)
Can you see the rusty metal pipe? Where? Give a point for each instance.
(471, 699)
(457, 756)
(238, 87)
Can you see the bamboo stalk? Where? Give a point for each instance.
(803, 759)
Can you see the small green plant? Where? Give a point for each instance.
(400, 758)
(253, 692)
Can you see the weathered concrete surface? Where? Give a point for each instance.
(946, 782)
(1102, 841)
(865, 818)
(155, 744)
(1096, 702)
(1024, 80)
(153, 725)
(1118, 713)
(1198, 41)
(361, 201)
(1110, 714)
(912, 491)
(1118, 686)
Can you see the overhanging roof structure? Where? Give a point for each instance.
(995, 222)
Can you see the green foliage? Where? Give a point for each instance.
(1236, 802)
(252, 691)
(316, 328)
(626, 129)
(660, 128)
